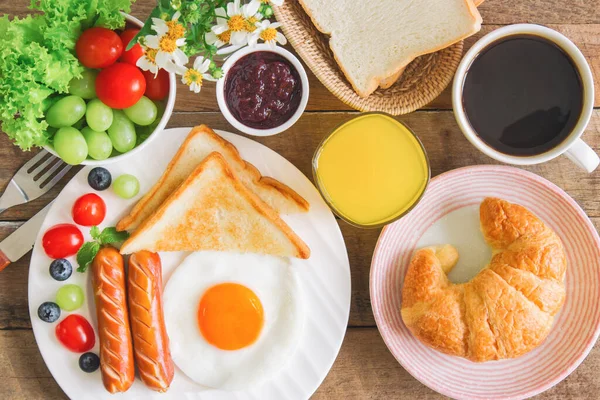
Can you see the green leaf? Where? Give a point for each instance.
(110, 235)
(86, 255)
(95, 232)
(147, 28)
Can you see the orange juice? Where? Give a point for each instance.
(371, 170)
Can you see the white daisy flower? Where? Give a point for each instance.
(218, 40)
(251, 22)
(235, 20)
(267, 32)
(169, 56)
(173, 28)
(194, 76)
(147, 62)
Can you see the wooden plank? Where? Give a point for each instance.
(364, 369)
(14, 311)
(495, 13)
(540, 12)
(586, 37)
(445, 144)
(447, 149)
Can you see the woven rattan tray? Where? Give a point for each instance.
(422, 81)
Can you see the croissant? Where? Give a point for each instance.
(508, 308)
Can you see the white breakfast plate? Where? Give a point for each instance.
(325, 280)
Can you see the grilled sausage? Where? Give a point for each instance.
(150, 340)
(116, 352)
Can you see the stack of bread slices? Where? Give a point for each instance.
(374, 41)
(209, 198)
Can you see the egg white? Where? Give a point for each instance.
(275, 283)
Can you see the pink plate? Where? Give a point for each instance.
(576, 327)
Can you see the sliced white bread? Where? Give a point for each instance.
(389, 81)
(198, 145)
(213, 210)
(372, 42)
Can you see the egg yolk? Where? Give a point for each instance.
(230, 316)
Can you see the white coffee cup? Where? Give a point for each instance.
(573, 147)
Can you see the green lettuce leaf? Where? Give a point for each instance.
(37, 60)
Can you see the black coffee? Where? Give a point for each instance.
(523, 95)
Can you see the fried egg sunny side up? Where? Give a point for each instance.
(233, 320)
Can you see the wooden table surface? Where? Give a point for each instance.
(364, 368)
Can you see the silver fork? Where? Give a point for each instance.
(35, 178)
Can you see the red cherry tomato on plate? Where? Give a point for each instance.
(89, 210)
(120, 86)
(132, 55)
(157, 88)
(76, 333)
(62, 241)
(98, 47)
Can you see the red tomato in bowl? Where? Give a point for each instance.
(89, 210)
(76, 333)
(157, 88)
(132, 55)
(98, 47)
(62, 241)
(120, 86)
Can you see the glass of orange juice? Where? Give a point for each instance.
(371, 170)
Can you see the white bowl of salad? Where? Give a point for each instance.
(115, 109)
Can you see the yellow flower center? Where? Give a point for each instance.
(176, 30)
(224, 37)
(264, 1)
(251, 24)
(151, 55)
(268, 34)
(167, 44)
(236, 23)
(192, 76)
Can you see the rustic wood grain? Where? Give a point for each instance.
(364, 369)
(586, 35)
(445, 144)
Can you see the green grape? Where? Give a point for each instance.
(65, 112)
(122, 132)
(99, 116)
(70, 145)
(69, 297)
(84, 87)
(143, 112)
(126, 186)
(98, 143)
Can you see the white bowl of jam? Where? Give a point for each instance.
(264, 90)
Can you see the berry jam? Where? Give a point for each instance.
(263, 90)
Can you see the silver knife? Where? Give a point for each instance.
(18, 243)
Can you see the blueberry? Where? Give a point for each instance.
(49, 311)
(99, 178)
(61, 269)
(89, 362)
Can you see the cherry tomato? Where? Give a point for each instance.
(98, 47)
(62, 241)
(89, 210)
(157, 88)
(120, 86)
(132, 55)
(76, 333)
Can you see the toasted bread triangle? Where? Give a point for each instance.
(200, 142)
(214, 210)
